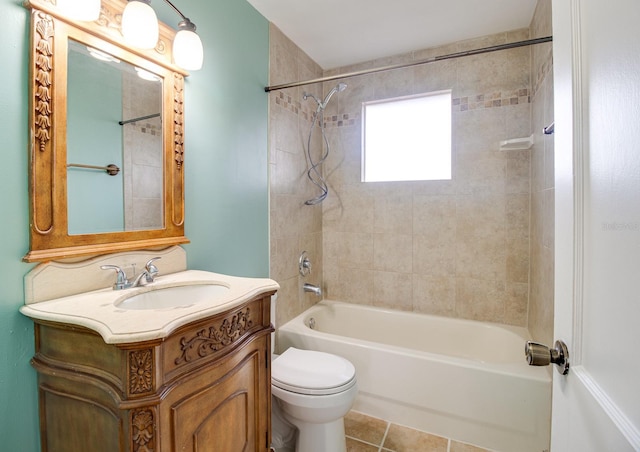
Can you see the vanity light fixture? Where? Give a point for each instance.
(187, 46)
(140, 29)
(140, 24)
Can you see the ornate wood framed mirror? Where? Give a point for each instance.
(106, 164)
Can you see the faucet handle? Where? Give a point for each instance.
(152, 270)
(304, 264)
(121, 277)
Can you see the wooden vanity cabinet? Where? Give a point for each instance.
(205, 387)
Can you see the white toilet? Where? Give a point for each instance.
(313, 391)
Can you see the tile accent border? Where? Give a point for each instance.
(147, 128)
(459, 104)
(491, 100)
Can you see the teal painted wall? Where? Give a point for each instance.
(226, 177)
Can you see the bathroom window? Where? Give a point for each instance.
(407, 138)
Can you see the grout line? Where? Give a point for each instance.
(384, 437)
(361, 441)
(386, 433)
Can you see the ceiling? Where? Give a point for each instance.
(338, 33)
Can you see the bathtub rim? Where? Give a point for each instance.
(299, 325)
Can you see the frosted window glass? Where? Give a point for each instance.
(407, 138)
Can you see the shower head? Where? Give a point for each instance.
(322, 105)
(336, 89)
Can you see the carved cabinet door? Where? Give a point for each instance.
(224, 410)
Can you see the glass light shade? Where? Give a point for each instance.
(187, 50)
(140, 25)
(87, 10)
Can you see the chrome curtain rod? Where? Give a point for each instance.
(511, 45)
(127, 121)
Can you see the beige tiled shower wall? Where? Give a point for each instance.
(459, 248)
(542, 182)
(294, 226)
(142, 158)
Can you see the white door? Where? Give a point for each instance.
(596, 407)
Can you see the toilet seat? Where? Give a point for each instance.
(311, 372)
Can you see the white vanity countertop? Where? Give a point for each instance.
(99, 311)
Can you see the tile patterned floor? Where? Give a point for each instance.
(368, 434)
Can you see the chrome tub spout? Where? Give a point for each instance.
(313, 289)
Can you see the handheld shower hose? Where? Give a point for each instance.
(314, 172)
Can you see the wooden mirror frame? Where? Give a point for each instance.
(48, 223)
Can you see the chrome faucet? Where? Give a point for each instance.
(313, 289)
(145, 277)
(121, 278)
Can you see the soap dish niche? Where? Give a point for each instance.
(517, 144)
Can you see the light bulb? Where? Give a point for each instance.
(87, 10)
(140, 24)
(187, 47)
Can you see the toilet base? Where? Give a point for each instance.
(283, 433)
(320, 437)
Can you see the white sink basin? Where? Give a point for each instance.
(174, 297)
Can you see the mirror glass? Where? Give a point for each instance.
(114, 144)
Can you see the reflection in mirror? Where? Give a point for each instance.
(113, 118)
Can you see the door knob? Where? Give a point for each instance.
(541, 355)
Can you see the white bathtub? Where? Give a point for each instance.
(455, 378)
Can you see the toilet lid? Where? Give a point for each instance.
(312, 372)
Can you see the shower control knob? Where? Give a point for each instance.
(304, 264)
(541, 355)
